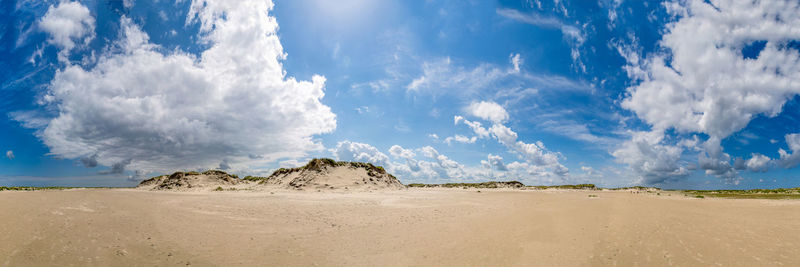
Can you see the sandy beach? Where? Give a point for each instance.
(408, 227)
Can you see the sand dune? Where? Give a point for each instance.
(318, 174)
(330, 175)
(192, 181)
(426, 226)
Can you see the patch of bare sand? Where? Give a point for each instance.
(406, 227)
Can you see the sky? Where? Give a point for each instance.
(676, 94)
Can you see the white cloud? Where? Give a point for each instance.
(434, 168)
(10, 154)
(589, 171)
(400, 152)
(66, 24)
(428, 165)
(714, 161)
(291, 163)
(362, 109)
(474, 125)
(488, 110)
(534, 153)
(460, 139)
(159, 111)
(704, 84)
(163, 16)
(354, 151)
(788, 160)
(612, 13)
(702, 81)
(496, 162)
(516, 61)
(650, 158)
(758, 163)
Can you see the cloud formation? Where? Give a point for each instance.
(488, 110)
(147, 110)
(354, 151)
(535, 153)
(790, 160)
(722, 65)
(68, 25)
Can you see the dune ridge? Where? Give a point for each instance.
(318, 174)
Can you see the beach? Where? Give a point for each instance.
(429, 227)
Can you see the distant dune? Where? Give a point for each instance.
(318, 174)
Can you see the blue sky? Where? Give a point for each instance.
(676, 94)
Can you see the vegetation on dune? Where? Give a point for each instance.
(211, 172)
(32, 188)
(318, 164)
(777, 193)
(566, 186)
(514, 184)
(257, 179)
(640, 188)
(37, 188)
(507, 184)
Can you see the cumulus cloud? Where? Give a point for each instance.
(460, 139)
(714, 161)
(10, 154)
(790, 160)
(354, 151)
(68, 24)
(705, 83)
(400, 152)
(706, 80)
(476, 126)
(650, 158)
(173, 110)
(426, 164)
(494, 161)
(758, 163)
(589, 171)
(534, 153)
(488, 110)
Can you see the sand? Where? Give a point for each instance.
(112, 227)
(317, 175)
